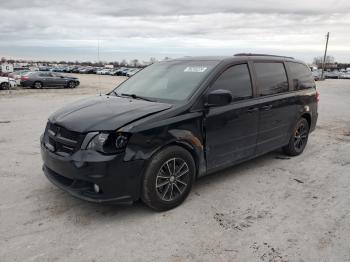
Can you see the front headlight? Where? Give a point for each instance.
(109, 143)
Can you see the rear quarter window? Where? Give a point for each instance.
(271, 78)
(301, 76)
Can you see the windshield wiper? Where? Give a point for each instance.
(134, 96)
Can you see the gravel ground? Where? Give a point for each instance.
(273, 208)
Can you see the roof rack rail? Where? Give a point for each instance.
(251, 54)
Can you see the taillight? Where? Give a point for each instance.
(317, 96)
(24, 77)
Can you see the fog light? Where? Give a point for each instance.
(96, 188)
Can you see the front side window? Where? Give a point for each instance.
(44, 74)
(237, 80)
(301, 76)
(271, 78)
(170, 81)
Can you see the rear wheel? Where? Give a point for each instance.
(168, 178)
(38, 85)
(4, 86)
(298, 140)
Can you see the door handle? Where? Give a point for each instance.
(252, 110)
(266, 108)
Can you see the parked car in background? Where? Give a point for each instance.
(104, 71)
(345, 75)
(316, 75)
(44, 68)
(125, 71)
(121, 71)
(132, 72)
(114, 71)
(87, 70)
(48, 79)
(332, 74)
(17, 75)
(7, 83)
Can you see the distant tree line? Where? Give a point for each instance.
(329, 63)
(124, 62)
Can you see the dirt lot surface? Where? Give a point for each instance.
(273, 208)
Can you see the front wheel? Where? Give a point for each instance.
(298, 140)
(168, 178)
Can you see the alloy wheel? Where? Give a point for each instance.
(37, 85)
(172, 179)
(300, 137)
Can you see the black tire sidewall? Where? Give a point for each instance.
(35, 83)
(71, 83)
(290, 148)
(149, 195)
(5, 86)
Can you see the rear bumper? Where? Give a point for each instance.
(119, 181)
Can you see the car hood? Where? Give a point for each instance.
(104, 113)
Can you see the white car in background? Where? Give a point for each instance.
(132, 72)
(7, 83)
(103, 72)
(345, 75)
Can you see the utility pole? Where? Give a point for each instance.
(325, 55)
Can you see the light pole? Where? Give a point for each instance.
(324, 57)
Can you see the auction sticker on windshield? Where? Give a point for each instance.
(195, 69)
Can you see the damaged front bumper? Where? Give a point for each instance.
(118, 181)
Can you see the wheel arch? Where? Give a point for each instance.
(187, 146)
(38, 81)
(307, 116)
(196, 155)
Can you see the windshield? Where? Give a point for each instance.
(167, 81)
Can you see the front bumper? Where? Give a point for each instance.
(119, 181)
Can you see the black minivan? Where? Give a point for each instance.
(175, 121)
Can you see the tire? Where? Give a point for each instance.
(71, 84)
(298, 140)
(166, 183)
(38, 85)
(4, 86)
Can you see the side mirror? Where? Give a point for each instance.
(218, 97)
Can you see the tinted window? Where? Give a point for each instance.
(44, 74)
(237, 80)
(301, 76)
(271, 78)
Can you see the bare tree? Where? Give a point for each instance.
(152, 60)
(135, 62)
(319, 60)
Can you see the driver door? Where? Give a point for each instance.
(231, 130)
(58, 80)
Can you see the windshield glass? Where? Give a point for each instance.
(167, 81)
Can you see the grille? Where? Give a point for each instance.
(61, 140)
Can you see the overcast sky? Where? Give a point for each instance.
(71, 29)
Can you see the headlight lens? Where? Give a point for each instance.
(109, 143)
